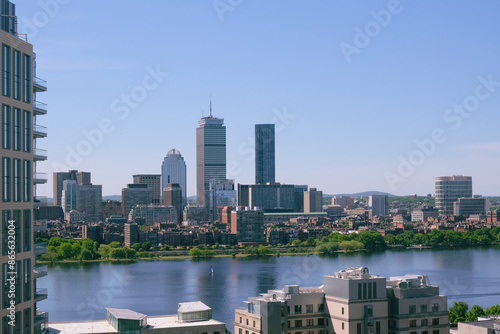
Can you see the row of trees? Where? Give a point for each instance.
(459, 312)
(448, 238)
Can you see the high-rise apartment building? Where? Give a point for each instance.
(210, 156)
(379, 205)
(247, 224)
(313, 200)
(265, 168)
(135, 194)
(449, 189)
(269, 197)
(60, 177)
(173, 170)
(68, 198)
(153, 181)
(20, 153)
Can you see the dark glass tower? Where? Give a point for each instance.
(264, 153)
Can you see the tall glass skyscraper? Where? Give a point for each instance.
(210, 156)
(449, 189)
(264, 153)
(173, 170)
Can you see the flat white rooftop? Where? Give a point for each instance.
(102, 326)
(192, 307)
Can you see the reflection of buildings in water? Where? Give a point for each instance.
(449, 260)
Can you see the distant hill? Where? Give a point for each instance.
(362, 194)
(112, 198)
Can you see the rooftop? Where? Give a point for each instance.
(192, 307)
(121, 313)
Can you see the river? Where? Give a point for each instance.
(83, 291)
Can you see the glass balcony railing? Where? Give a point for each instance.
(40, 107)
(40, 83)
(41, 294)
(40, 271)
(39, 154)
(39, 177)
(41, 317)
(39, 130)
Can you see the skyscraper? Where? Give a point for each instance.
(379, 204)
(20, 153)
(173, 170)
(172, 196)
(153, 181)
(210, 156)
(264, 153)
(68, 198)
(313, 200)
(60, 177)
(449, 189)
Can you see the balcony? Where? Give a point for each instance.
(39, 178)
(39, 131)
(40, 248)
(40, 271)
(39, 108)
(41, 317)
(39, 85)
(39, 154)
(40, 294)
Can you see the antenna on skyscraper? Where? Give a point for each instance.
(210, 105)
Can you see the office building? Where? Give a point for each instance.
(153, 181)
(422, 214)
(135, 194)
(449, 189)
(172, 196)
(470, 206)
(268, 197)
(299, 197)
(196, 213)
(313, 200)
(247, 224)
(22, 119)
(60, 177)
(150, 214)
(265, 167)
(346, 202)
(210, 156)
(350, 301)
(221, 194)
(173, 170)
(68, 198)
(89, 201)
(379, 205)
(192, 317)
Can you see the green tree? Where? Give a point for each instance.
(263, 250)
(195, 252)
(129, 252)
(56, 241)
(86, 255)
(50, 256)
(136, 246)
(65, 251)
(474, 313)
(104, 251)
(146, 246)
(296, 243)
(351, 246)
(327, 248)
(115, 244)
(76, 249)
(145, 228)
(494, 310)
(117, 253)
(458, 312)
(372, 240)
(310, 242)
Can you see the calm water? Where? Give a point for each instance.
(83, 291)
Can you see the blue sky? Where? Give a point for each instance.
(351, 86)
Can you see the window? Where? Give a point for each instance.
(5, 230)
(5, 70)
(298, 323)
(309, 308)
(359, 291)
(5, 127)
(435, 321)
(27, 279)
(342, 310)
(298, 309)
(364, 290)
(413, 332)
(254, 323)
(413, 323)
(321, 308)
(342, 325)
(374, 289)
(27, 230)
(17, 180)
(412, 309)
(423, 308)
(435, 307)
(16, 217)
(247, 322)
(436, 331)
(241, 320)
(17, 129)
(310, 332)
(17, 75)
(321, 322)
(27, 131)
(6, 179)
(240, 331)
(358, 328)
(309, 322)
(321, 331)
(424, 322)
(27, 180)
(377, 327)
(27, 320)
(369, 291)
(425, 332)
(26, 78)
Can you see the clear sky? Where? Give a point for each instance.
(366, 95)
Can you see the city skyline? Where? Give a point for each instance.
(390, 108)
